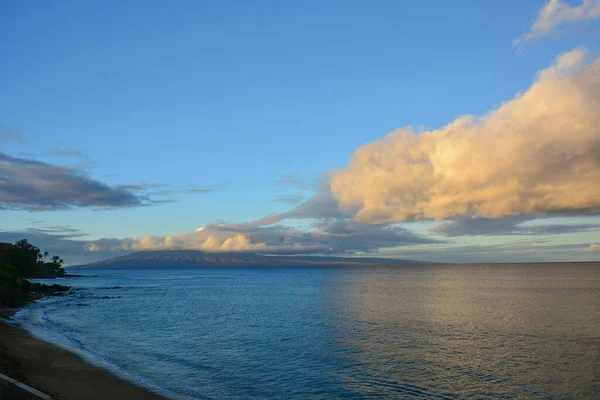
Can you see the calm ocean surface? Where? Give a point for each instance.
(432, 332)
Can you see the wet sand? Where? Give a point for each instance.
(58, 372)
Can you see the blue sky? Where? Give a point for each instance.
(241, 109)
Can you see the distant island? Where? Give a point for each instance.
(196, 258)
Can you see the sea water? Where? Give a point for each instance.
(426, 331)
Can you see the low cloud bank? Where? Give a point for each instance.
(336, 236)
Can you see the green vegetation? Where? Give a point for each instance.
(23, 260)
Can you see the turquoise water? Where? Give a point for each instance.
(433, 332)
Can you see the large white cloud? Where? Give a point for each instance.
(537, 153)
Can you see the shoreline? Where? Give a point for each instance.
(58, 372)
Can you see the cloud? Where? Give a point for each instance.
(87, 165)
(537, 250)
(506, 226)
(289, 179)
(60, 231)
(300, 183)
(68, 153)
(166, 189)
(293, 199)
(536, 154)
(346, 237)
(30, 185)
(108, 245)
(11, 137)
(350, 236)
(556, 13)
(593, 248)
(143, 187)
(198, 190)
(321, 206)
(170, 192)
(328, 237)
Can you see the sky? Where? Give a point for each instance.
(440, 131)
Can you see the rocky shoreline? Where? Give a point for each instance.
(51, 369)
(31, 291)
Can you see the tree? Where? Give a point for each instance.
(25, 245)
(22, 255)
(55, 267)
(29, 261)
(20, 261)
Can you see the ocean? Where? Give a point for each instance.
(425, 331)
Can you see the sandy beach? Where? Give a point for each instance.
(58, 372)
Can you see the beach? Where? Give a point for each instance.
(58, 372)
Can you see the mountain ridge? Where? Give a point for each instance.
(197, 258)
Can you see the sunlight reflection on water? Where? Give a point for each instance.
(424, 331)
